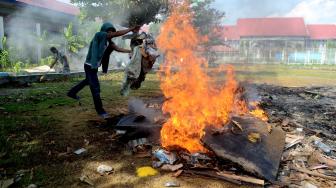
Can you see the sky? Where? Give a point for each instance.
(314, 11)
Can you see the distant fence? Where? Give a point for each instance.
(283, 56)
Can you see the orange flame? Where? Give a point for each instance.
(194, 101)
(258, 112)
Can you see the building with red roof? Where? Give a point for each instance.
(53, 5)
(278, 32)
(20, 19)
(271, 27)
(322, 31)
(230, 33)
(277, 28)
(280, 39)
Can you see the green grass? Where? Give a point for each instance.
(284, 75)
(32, 118)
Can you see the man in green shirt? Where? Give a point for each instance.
(101, 47)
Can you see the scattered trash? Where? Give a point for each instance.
(325, 148)
(121, 132)
(197, 157)
(299, 130)
(317, 158)
(146, 171)
(138, 142)
(312, 173)
(157, 164)
(318, 167)
(6, 183)
(80, 151)
(178, 173)
(32, 186)
(306, 184)
(104, 169)
(172, 184)
(165, 156)
(171, 168)
(242, 178)
(292, 140)
(86, 179)
(139, 145)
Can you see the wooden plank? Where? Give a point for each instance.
(211, 175)
(261, 158)
(246, 179)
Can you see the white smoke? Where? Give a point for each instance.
(139, 107)
(315, 11)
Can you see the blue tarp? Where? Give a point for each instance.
(302, 56)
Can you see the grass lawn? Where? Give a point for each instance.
(291, 76)
(40, 128)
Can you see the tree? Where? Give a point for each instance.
(208, 20)
(124, 12)
(73, 42)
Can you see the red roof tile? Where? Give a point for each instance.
(322, 31)
(272, 27)
(53, 5)
(230, 32)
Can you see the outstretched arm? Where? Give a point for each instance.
(123, 32)
(118, 49)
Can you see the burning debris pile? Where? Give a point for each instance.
(307, 156)
(214, 129)
(205, 122)
(196, 101)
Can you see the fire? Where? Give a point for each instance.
(194, 101)
(258, 112)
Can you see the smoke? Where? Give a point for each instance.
(30, 30)
(139, 107)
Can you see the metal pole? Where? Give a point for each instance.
(2, 31)
(39, 48)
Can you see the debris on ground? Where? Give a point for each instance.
(104, 170)
(86, 179)
(171, 184)
(165, 157)
(256, 149)
(171, 168)
(32, 186)
(309, 159)
(295, 147)
(80, 151)
(246, 179)
(146, 171)
(141, 145)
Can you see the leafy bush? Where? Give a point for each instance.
(74, 42)
(4, 56)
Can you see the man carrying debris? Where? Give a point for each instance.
(60, 58)
(144, 54)
(100, 49)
